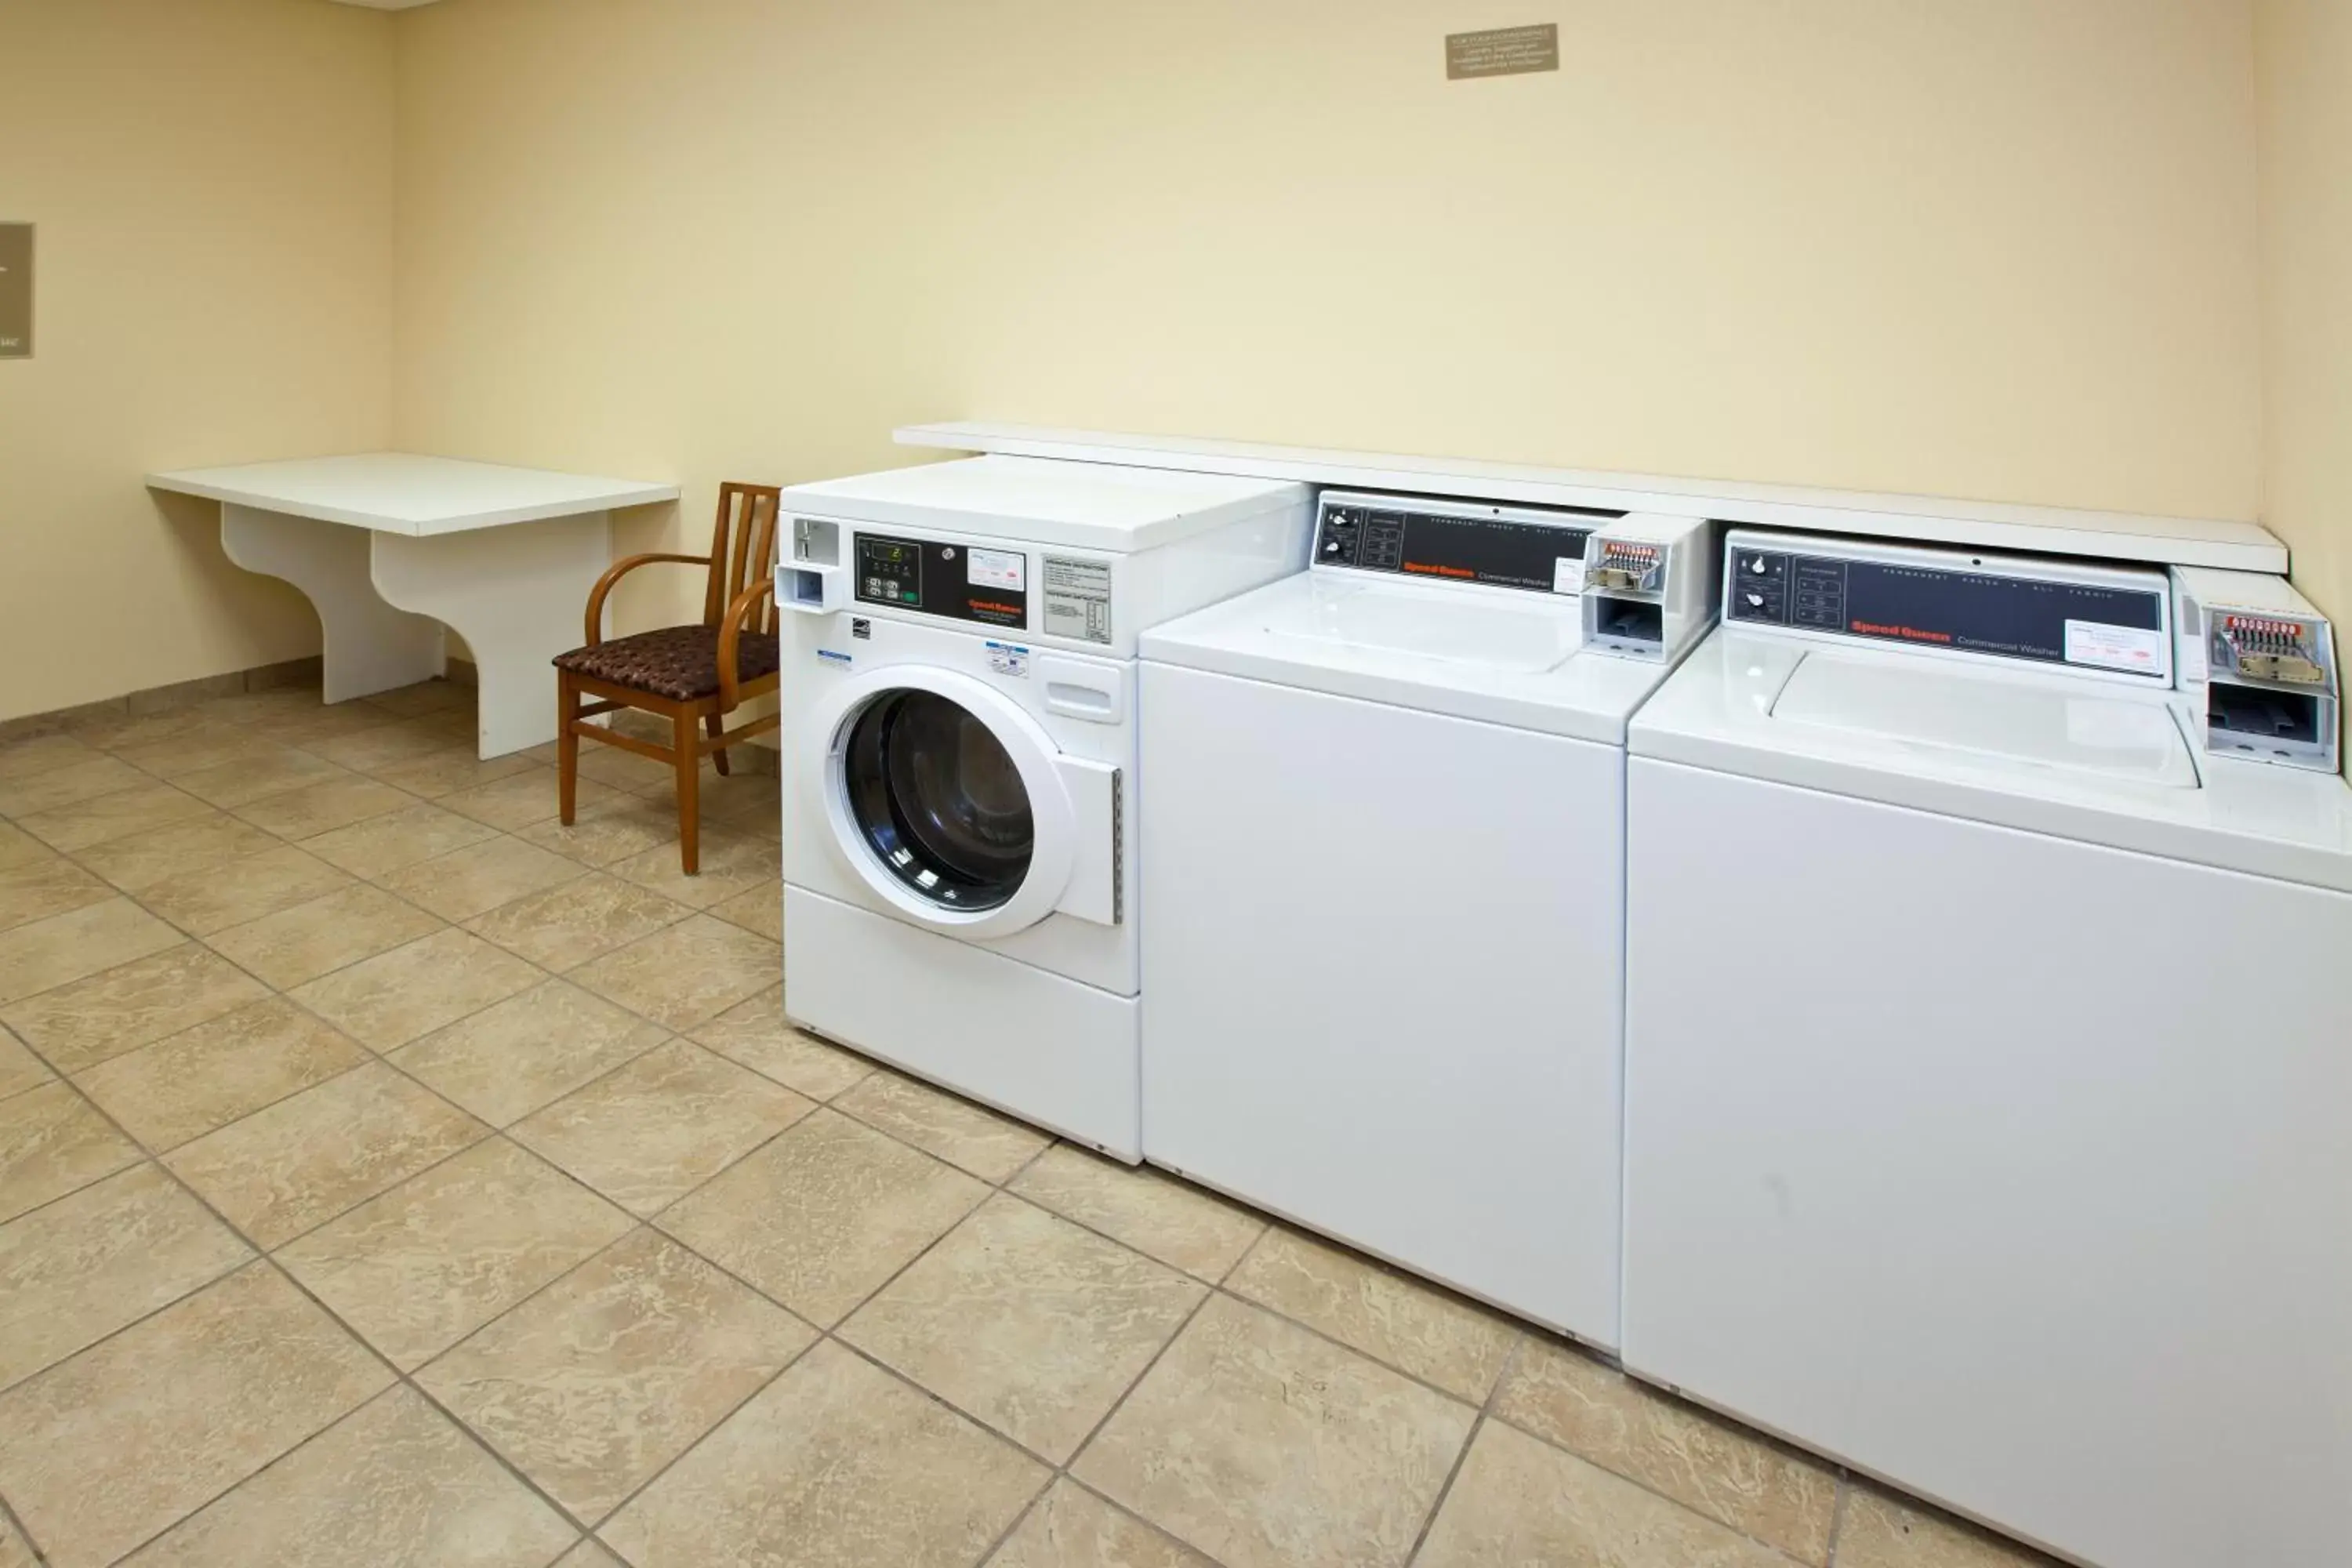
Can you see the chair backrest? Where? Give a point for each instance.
(742, 550)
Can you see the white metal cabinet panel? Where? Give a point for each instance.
(1044, 1048)
(2012, 1169)
(1394, 1023)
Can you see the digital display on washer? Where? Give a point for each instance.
(1503, 552)
(990, 586)
(2037, 618)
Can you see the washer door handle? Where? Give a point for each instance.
(1098, 887)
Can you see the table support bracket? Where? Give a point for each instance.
(515, 594)
(366, 645)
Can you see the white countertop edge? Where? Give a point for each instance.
(613, 494)
(1995, 525)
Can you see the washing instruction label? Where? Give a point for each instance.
(1567, 574)
(1077, 599)
(2105, 647)
(996, 568)
(1008, 658)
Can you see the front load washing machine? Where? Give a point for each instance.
(959, 745)
(1384, 884)
(1988, 1044)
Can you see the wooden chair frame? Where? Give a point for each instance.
(742, 545)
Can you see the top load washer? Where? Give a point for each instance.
(1383, 885)
(959, 744)
(1988, 1048)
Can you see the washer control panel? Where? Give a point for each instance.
(1538, 548)
(966, 582)
(2087, 615)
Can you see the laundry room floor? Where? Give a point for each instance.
(389, 1174)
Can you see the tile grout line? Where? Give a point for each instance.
(996, 1544)
(386, 1392)
(1219, 1286)
(590, 1527)
(274, 992)
(1161, 1531)
(817, 1338)
(1469, 1441)
(492, 832)
(156, 1157)
(263, 1257)
(402, 1378)
(824, 1334)
(251, 1256)
(8, 1514)
(1523, 1333)
(1210, 1289)
(1063, 1470)
(405, 1380)
(829, 1333)
(1059, 1470)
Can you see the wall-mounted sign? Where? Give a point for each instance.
(15, 290)
(1502, 51)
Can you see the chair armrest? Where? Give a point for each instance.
(731, 632)
(620, 569)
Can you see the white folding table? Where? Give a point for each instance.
(391, 547)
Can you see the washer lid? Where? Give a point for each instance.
(1493, 654)
(2080, 729)
(1479, 630)
(2033, 749)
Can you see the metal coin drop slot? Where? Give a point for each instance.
(2258, 714)
(1630, 620)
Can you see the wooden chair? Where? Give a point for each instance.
(692, 675)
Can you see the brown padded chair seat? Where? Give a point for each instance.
(678, 662)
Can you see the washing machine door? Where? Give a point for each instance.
(951, 803)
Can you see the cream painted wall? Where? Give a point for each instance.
(2306, 64)
(2003, 249)
(212, 182)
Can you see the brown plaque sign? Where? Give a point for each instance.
(15, 290)
(1502, 51)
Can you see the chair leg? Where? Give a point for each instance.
(567, 746)
(718, 758)
(689, 792)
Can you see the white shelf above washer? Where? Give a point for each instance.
(1990, 525)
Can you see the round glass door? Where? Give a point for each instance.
(939, 800)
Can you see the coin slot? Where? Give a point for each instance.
(2260, 715)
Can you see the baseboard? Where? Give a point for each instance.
(758, 756)
(164, 699)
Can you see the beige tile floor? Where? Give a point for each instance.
(389, 1174)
